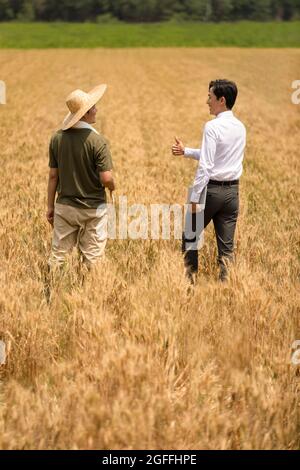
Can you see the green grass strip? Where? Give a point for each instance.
(90, 35)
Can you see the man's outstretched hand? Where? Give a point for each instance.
(178, 147)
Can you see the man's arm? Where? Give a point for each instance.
(104, 165)
(107, 180)
(195, 154)
(206, 164)
(52, 186)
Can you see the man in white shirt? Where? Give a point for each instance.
(220, 167)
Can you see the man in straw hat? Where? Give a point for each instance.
(80, 170)
(217, 178)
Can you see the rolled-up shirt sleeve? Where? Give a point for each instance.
(103, 158)
(206, 162)
(53, 163)
(195, 154)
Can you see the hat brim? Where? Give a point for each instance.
(95, 95)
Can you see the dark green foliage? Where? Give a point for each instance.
(148, 10)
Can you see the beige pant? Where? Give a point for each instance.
(86, 228)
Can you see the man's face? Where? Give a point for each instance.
(215, 105)
(91, 115)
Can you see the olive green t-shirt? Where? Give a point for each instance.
(79, 155)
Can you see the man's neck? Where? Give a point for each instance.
(84, 125)
(85, 120)
(223, 111)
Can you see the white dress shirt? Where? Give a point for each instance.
(221, 154)
(84, 125)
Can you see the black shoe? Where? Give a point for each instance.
(191, 275)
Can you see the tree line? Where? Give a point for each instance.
(148, 10)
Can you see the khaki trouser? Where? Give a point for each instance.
(86, 228)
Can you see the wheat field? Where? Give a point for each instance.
(128, 356)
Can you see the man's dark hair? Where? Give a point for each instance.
(224, 88)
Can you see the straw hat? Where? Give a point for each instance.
(80, 102)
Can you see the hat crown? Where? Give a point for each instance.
(80, 102)
(76, 100)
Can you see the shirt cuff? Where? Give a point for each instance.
(194, 197)
(192, 153)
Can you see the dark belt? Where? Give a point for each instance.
(224, 183)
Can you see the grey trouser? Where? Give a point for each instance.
(222, 207)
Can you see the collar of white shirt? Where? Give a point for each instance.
(225, 114)
(84, 125)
